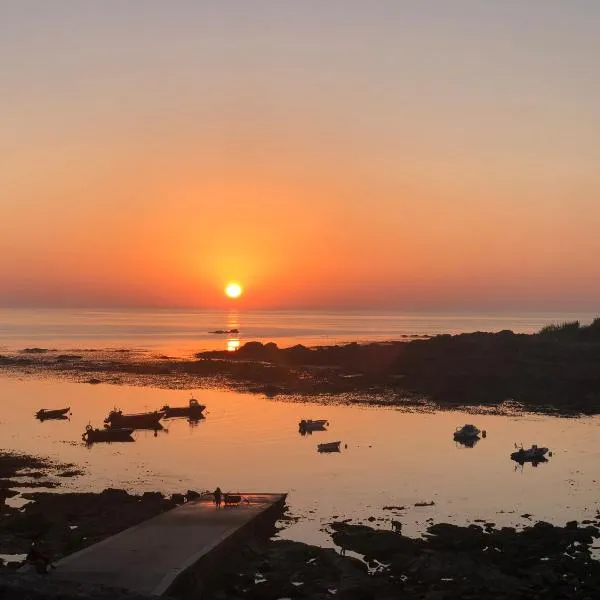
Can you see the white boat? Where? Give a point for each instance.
(534, 454)
(329, 447)
(312, 425)
(466, 432)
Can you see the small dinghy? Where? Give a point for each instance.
(52, 413)
(466, 432)
(149, 420)
(329, 447)
(109, 434)
(307, 425)
(534, 454)
(193, 410)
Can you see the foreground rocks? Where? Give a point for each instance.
(27, 586)
(66, 523)
(477, 563)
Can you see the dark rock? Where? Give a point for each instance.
(73, 473)
(571, 525)
(152, 497)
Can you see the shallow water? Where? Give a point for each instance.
(250, 443)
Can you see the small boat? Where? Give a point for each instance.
(533, 454)
(109, 434)
(229, 499)
(222, 331)
(329, 447)
(52, 413)
(149, 420)
(312, 425)
(466, 432)
(194, 410)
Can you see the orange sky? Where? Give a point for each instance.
(338, 156)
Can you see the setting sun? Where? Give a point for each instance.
(233, 290)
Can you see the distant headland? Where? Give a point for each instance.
(555, 369)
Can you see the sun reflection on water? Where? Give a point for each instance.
(233, 344)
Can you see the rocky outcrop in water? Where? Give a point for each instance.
(556, 369)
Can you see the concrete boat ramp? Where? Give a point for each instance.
(174, 552)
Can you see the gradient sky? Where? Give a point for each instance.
(409, 155)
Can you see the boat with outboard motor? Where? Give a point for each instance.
(313, 425)
(52, 413)
(108, 434)
(534, 454)
(148, 420)
(193, 410)
(329, 447)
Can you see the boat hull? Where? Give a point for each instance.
(523, 456)
(112, 434)
(59, 413)
(308, 425)
(183, 411)
(329, 447)
(134, 421)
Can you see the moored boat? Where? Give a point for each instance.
(466, 432)
(312, 425)
(329, 447)
(108, 434)
(52, 413)
(534, 454)
(229, 499)
(149, 420)
(193, 410)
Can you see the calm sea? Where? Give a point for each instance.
(182, 332)
(251, 443)
(248, 443)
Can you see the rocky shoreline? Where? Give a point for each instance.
(65, 522)
(468, 563)
(551, 371)
(62, 523)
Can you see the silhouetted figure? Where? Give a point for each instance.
(218, 494)
(38, 558)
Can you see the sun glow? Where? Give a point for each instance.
(233, 345)
(233, 290)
